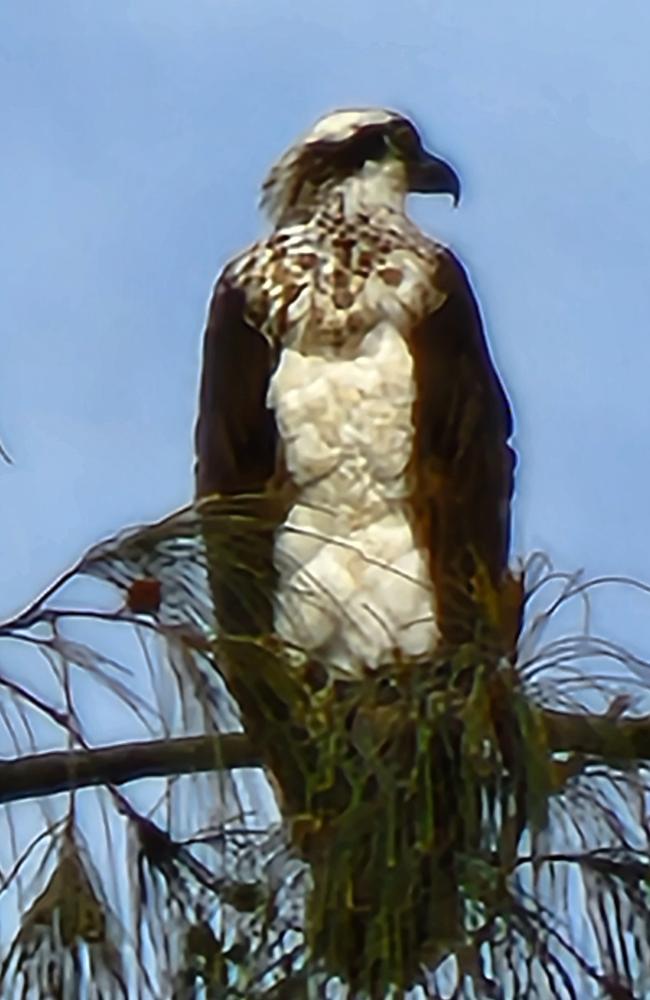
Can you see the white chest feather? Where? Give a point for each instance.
(353, 584)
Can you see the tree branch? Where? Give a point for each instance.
(61, 771)
(604, 736)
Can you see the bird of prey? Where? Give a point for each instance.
(345, 370)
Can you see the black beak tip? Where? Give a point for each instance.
(449, 181)
(431, 175)
(455, 191)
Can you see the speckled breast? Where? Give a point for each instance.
(354, 586)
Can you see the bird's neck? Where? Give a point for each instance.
(376, 188)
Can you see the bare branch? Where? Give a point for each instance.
(603, 736)
(61, 771)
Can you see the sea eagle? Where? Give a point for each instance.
(346, 371)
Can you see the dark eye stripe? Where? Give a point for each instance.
(369, 144)
(327, 158)
(346, 157)
(405, 137)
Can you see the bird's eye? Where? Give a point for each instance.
(371, 145)
(405, 138)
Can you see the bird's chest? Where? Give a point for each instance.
(322, 289)
(354, 584)
(346, 423)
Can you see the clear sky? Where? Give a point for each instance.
(134, 139)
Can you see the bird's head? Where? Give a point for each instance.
(375, 155)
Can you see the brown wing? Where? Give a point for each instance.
(235, 436)
(236, 442)
(463, 462)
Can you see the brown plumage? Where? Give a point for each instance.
(464, 464)
(350, 408)
(342, 261)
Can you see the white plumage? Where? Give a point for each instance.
(354, 586)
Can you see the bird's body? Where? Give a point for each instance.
(348, 393)
(345, 366)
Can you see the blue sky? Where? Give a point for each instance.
(135, 137)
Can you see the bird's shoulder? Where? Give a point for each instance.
(342, 271)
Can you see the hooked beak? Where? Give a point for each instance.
(428, 174)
